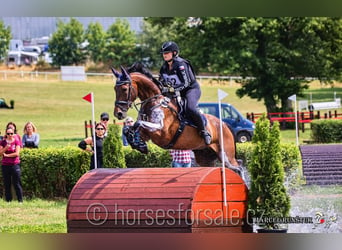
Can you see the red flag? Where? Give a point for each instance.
(88, 98)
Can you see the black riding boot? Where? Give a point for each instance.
(206, 136)
(203, 131)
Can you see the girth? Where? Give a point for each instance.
(177, 134)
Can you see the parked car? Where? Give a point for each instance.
(241, 127)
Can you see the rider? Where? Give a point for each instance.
(178, 74)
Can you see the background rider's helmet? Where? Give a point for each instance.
(170, 47)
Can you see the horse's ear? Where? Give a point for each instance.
(124, 73)
(116, 73)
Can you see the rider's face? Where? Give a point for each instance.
(167, 56)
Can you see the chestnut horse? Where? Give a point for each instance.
(160, 122)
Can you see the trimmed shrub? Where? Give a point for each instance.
(326, 131)
(156, 158)
(244, 152)
(268, 197)
(51, 172)
(113, 154)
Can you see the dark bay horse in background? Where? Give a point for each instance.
(159, 119)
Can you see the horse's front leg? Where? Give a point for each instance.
(156, 121)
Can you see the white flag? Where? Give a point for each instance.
(221, 94)
(293, 97)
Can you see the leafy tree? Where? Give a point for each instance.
(5, 37)
(120, 48)
(281, 52)
(66, 46)
(277, 53)
(95, 35)
(150, 41)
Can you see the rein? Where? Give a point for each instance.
(128, 102)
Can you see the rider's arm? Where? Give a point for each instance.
(185, 74)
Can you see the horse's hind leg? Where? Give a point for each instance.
(205, 157)
(239, 169)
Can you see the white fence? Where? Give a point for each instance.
(21, 74)
(32, 75)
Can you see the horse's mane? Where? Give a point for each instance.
(140, 68)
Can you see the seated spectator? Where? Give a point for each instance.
(30, 137)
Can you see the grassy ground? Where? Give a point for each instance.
(33, 216)
(313, 201)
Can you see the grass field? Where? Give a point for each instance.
(59, 112)
(33, 216)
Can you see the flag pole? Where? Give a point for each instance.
(90, 98)
(296, 120)
(93, 128)
(221, 95)
(294, 99)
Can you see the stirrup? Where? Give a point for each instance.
(206, 136)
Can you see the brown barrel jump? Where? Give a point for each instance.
(157, 200)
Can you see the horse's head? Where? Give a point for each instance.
(125, 93)
(136, 82)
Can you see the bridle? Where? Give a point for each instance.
(125, 105)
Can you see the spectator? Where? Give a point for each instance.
(14, 127)
(100, 130)
(10, 151)
(128, 123)
(180, 158)
(30, 137)
(104, 120)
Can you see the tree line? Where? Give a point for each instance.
(275, 56)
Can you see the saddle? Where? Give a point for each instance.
(183, 116)
(183, 121)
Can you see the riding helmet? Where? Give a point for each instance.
(169, 47)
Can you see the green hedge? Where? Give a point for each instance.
(156, 158)
(51, 172)
(326, 131)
